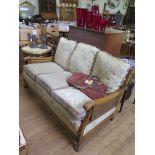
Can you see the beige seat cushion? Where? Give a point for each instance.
(64, 51)
(53, 81)
(83, 58)
(42, 68)
(111, 70)
(57, 108)
(72, 100)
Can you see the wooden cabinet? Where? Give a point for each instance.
(47, 5)
(109, 41)
(48, 9)
(129, 18)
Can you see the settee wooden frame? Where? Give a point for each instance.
(79, 139)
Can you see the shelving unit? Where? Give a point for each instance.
(48, 9)
(48, 5)
(109, 41)
(68, 9)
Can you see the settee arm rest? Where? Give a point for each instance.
(103, 100)
(39, 59)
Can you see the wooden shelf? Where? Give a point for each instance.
(68, 10)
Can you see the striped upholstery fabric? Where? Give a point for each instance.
(42, 68)
(53, 81)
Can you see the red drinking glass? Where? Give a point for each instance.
(103, 24)
(89, 19)
(96, 21)
(81, 16)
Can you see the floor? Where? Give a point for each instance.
(45, 136)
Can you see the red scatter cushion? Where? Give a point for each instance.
(94, 90)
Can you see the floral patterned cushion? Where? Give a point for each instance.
(72, 100)
(42, 68)
(53, 81)
(131, 62)
(111, 70)
(64, 51)
(83, 58)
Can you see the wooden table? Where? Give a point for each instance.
(36, 54)
(130, 48)
(23, 43)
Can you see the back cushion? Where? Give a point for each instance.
(111, 70)
(64, 51)
(83, 58)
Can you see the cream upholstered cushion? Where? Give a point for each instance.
(72, 100)
(57, 108)
(83, 58)
(42, 68)
(111, 70)
(64, 51)
(53, 81)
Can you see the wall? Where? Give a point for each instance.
(122, 6)
(34, 2)
(87, 4)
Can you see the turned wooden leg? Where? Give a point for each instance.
(122, 102)
(112, 117)
(77, 145)
(26, 150)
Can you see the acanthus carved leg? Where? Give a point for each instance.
(77, 145)
(112, 117)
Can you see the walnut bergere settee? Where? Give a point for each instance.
(81, 115)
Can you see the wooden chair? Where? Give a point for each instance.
(95, 109)
(52, 41)
(95, 116)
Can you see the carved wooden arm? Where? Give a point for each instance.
(111, 96)
(87, 106)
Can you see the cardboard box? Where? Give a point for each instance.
(52, 30)
(37, 25)
(23, 34)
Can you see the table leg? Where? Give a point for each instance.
(122, 101)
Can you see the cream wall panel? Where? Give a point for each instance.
(87, 4)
